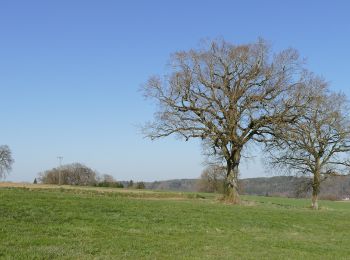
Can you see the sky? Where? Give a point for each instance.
(70, 74)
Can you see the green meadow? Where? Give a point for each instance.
(84, 223)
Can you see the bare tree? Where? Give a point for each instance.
(316, 143)
(227, 95)
(212, 179)
(71, 174)
(108, 178)
(6, 160)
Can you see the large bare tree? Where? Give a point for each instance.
(227, 95)
(6, 160)
(316, 144)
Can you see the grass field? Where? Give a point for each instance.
(45, 222)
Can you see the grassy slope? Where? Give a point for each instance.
(83, 224)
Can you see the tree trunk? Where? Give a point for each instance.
(231, 193)
(316, 187)
(314, 201)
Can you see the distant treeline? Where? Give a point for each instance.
(81, 175)
(334, 188)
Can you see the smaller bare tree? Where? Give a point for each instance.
(6, 160)
(140, 185)
(108, 178)
(72, 174)
(316, 144)
(212, 179)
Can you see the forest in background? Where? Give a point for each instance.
(334, 188)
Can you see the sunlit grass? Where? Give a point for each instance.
(88, 224)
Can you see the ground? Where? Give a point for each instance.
(43, 222)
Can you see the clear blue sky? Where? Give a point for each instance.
(70, 73)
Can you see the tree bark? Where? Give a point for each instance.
(314, 204)
(316, 187)
(232, 193)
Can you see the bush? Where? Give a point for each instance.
(107, 180)
(329, 197)
(110, 184)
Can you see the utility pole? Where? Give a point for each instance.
(60, 158)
